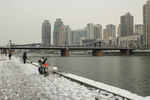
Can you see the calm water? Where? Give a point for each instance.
(130, 73)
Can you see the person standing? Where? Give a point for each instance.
(41, 68)
(10, 54)
(24, 57)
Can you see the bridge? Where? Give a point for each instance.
(97, 48)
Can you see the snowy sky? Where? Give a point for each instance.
(20, 20)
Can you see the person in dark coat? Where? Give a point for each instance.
(24, 57)
(41, 68)
(10, 54)
(41, 64)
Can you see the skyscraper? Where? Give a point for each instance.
(58, 29)
(90, 31)
(126, 25)
(111, 31)
(146, 22)
(139, 29)
(46, 33)
(77, 35)
(105, 36)
(65, 36)
(118, 30)
(94, 31)
(98, 31)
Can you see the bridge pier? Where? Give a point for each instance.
(97, 52)
(126, 52)
(65, 52)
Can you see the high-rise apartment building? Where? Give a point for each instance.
(58, 31)
(90, 31)
(138, 29)
(97, 31)
(119, 30)
(46, 33)
(77, 35)
(105, 36)
(111, 31)
(127, 25)
(146, 23)
(94, 31)
(65, 39)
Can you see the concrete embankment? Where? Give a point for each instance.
(103, 89)
(141, 52)
(134, 53)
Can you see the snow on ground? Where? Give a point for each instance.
(2, 57)
(20, 81)
(103, 86)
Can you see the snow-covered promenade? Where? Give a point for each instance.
(20, 81)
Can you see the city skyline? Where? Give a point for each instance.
(21, 20)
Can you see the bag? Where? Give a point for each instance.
(41, 70)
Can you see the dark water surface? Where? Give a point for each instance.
(127, 72)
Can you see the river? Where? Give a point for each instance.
(127, 72)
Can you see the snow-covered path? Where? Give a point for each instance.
(20, 81)
(23, 82)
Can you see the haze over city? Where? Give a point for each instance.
(21, 20)
(75, 49)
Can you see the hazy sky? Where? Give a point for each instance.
(21, 20)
